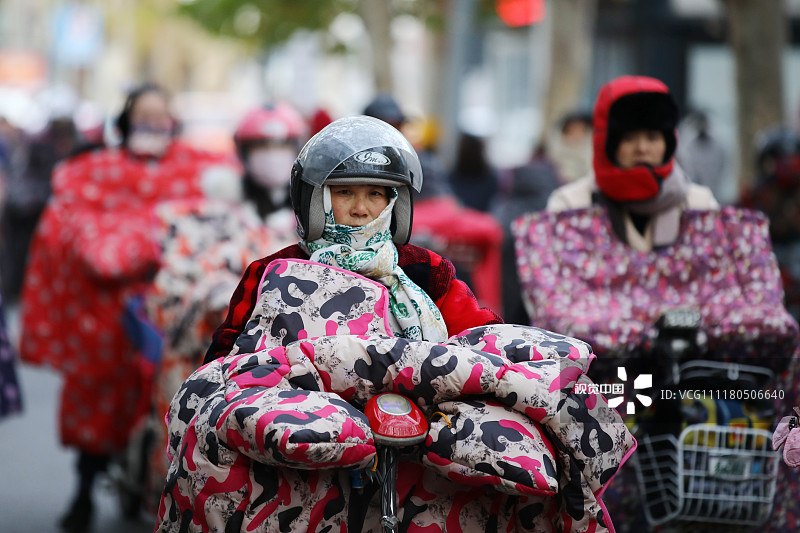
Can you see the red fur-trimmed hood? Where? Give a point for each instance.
(625, 104)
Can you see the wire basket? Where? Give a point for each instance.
(709, 474)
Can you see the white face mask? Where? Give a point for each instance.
(271, 167)
(149, 142)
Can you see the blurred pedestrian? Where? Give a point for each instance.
(635, 174)
(702, 155)
(28, 191)
(318, 120)
(472, 178)
(776, 193)
(527, 187)
(95, 246)
(424, 135)
(522, 189)
(12, 151)
(383, 106)
(570, 148)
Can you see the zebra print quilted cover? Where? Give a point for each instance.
(265, 438)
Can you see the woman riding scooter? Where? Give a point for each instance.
(329, 171)
(636, 240)
(268, 434)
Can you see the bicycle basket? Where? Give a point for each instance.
(710, 474)
(656, 465)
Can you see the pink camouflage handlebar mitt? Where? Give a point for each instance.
(264, 439)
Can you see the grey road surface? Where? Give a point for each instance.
(37, 476)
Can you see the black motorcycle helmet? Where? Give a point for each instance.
(354, 150)
(386, 108)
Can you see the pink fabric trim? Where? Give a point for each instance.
(598, 495)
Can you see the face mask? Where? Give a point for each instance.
(271, 167)
(149, 142)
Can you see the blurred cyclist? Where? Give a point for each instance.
(635, 172)
(96, 244)
(267, 140)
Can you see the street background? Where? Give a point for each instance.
(38, 474)
(507, 73)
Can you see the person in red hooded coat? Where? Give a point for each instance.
(94, 247)
(635, 173)
(645, 194)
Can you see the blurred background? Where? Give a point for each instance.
(507, 68)
(505, 71)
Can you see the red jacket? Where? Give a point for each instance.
(95, 245)
(433, 273)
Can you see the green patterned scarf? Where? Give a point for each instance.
(369, 251)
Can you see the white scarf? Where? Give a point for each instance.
(369, 251)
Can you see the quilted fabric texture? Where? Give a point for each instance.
(205, 245)
(486, 443)
(10, 397)
(579, 279)
(361, 309)
(262, 440)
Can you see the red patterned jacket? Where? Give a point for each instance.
(96, 244)
(433, 273)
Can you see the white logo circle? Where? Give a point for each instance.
(372, 158)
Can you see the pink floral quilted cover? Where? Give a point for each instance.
(265, 438)
(580, 280)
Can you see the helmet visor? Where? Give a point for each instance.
(348, 136)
